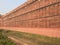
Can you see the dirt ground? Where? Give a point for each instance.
(19, 41)
(51, 32)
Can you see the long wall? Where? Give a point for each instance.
(0, 20)
(35, 14)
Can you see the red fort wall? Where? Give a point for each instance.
(35, 14)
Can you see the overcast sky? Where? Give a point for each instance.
(8, 5)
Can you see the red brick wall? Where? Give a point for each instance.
(0, 21)
(35, 13)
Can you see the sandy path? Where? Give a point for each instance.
(51, 32)
(18, 42)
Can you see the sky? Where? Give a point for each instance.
(9, 5)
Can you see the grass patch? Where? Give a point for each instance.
(34, 39)
(4, 39)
